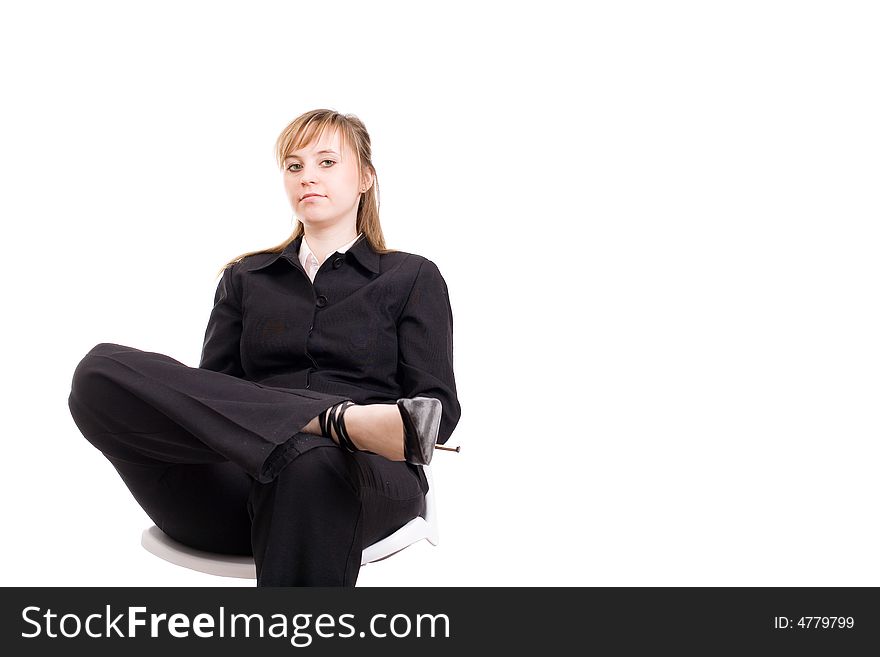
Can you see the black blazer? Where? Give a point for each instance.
(373, 327)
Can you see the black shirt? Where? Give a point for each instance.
(373, 327)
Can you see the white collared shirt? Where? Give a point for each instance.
(310, 262)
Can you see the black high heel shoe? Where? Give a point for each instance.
(421, 425)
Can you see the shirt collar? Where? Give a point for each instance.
(305, 252)
(360, 250)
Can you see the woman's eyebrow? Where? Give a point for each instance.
(326, 150)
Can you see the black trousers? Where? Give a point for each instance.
(219, 463)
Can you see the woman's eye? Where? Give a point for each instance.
(296, 164)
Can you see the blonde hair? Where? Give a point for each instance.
(305, 129)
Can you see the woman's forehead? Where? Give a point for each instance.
(331, 139)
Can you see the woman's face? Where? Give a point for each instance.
(329, 172)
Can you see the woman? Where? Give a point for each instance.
(325, 382)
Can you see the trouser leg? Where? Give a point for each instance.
(172, 433)
(146, 407)
(200, 451)
(203, 505)
(309, 525)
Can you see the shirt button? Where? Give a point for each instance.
(338, 262)
(321, 301)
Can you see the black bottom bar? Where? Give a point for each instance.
(418, 622)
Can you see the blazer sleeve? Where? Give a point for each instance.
(221, 349)
(424, 339)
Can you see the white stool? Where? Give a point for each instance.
(156, 541)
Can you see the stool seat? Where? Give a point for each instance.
(157, 542)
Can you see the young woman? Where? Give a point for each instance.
(325, 382)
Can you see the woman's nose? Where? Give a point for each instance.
(308, 174)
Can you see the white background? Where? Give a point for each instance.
(658, 223)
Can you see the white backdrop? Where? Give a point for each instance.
(658, 223)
